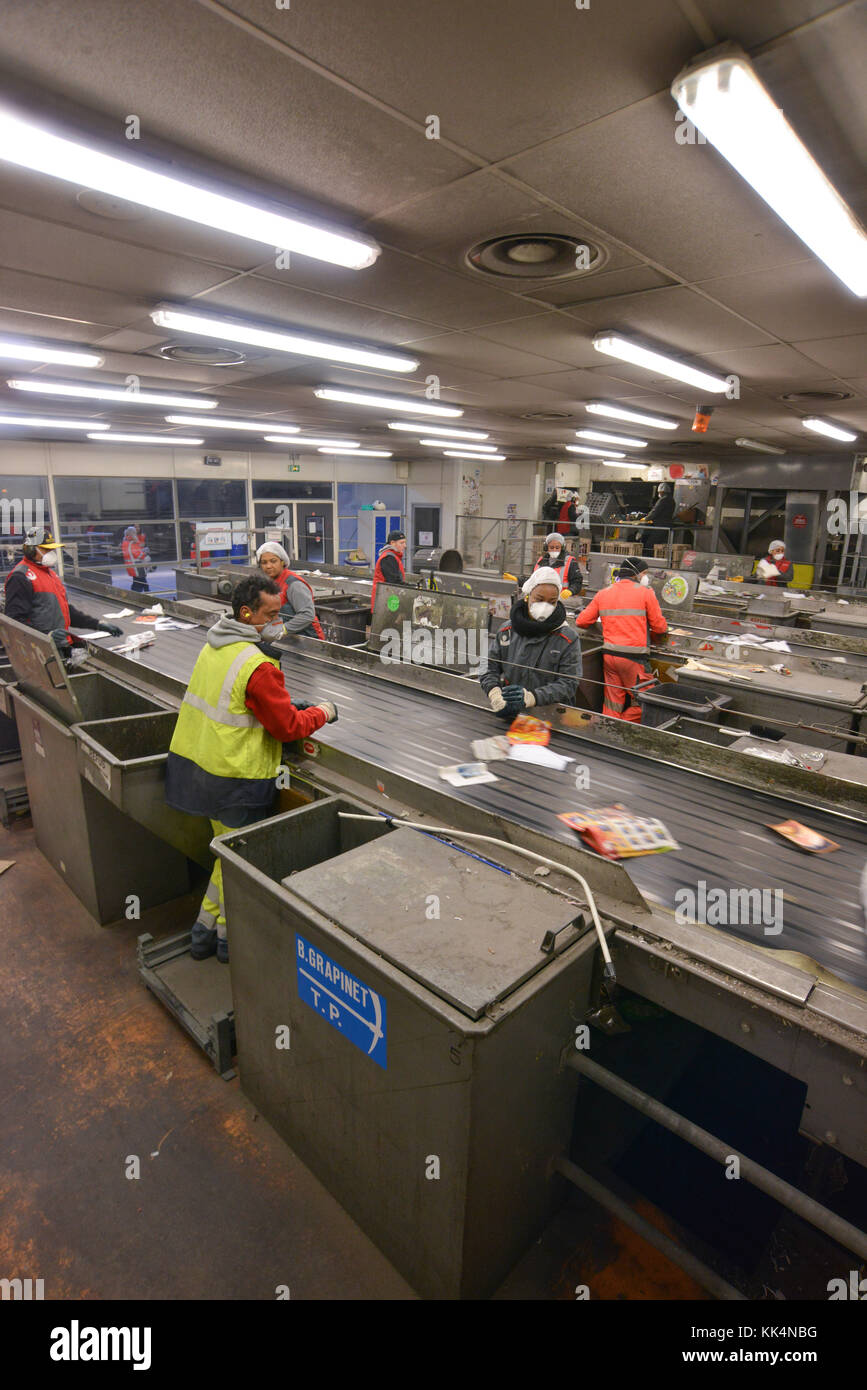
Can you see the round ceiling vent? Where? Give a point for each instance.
(814, 397)
(554, 415)
(202, 355)
(535, 256)
(104, 205)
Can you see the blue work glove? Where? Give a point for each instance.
(514, 697)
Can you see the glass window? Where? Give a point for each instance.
(353, 498)
(292, 492)
(206, 499)
(23, 503)
(113, 499)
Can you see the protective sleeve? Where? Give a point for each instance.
(298, 612)
(19, 597)
(269, 701)
(589, 615)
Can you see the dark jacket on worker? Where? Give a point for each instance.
(544, 657)
(35, 595)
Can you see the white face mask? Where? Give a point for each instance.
(49, 560)
(539, 611)
(644, 580)
(556, 556)
(273, 631)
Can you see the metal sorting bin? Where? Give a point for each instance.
(125, 759)
(344, 619)
(683, 698)
(102, 854)
(421, 1083)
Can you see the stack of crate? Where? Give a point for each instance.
(677, 553)
(623, 547)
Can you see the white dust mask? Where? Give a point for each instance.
(540, 611)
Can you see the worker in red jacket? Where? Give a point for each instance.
(777, 556)
(296, 607)
(626, 609)
(389, 567)
(568, 516)
(135, 552)
(36, 595)
(554, 557)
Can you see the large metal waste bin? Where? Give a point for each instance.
(344, 620)
(106, 859)
(419, 1077)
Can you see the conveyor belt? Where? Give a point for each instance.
(721, 828)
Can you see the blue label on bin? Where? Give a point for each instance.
(351, 1007)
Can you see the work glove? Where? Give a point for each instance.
(495, 697)
(514, 696)
(302, 704)
(111, 628)
(328, 708)
(529, 699)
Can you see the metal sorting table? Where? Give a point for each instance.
(721, 828)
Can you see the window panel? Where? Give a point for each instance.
(210, 499)
(292, 492)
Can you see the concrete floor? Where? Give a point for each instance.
(96, 1072)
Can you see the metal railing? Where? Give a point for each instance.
(513, 544)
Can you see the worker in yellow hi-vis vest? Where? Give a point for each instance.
(228, 742)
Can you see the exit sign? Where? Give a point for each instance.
(295, 468)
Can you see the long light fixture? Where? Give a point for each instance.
(627, 463)
(31, 146)
(450, 433)
(825, 427)
(757, 444)
(332, 393)
(595, 453)
(109, 393)
(450, 444)
(143, 439)
(297, 441)
(635, 417)
(277, 340)
(39, 422)
(615, 345)
(603, 438)
(724, 98)
(257, 426)
(15, 351)
(480, 458)
(359, 453)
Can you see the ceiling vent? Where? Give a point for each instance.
(543, 415)
(815, 397)
(202, 354)
(536, 256)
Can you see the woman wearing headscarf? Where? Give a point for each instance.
(296, 596)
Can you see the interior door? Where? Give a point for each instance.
(314, 529)
(425, 528)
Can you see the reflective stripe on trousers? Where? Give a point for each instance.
(621, 675)
(212, 913)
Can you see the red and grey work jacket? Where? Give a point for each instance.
(49, 608)
(283, 582)
(568, 566)
(379, 577)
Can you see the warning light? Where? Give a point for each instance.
(702, 418)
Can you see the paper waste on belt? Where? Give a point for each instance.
(534, 753)
(466, 774)
(616, 833)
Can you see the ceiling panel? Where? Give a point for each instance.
(444, 58)
(678, 319)
(62, 299)
(474, 351)
(606, 284)
(845, 356)
(792, 302)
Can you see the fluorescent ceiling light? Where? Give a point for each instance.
(480, 458)
(450, 444)
(595, 453)
(726, 100)
(628, 463)
(422, 429)
(14, 350)
(623, 439)
(757, 444)
(109, 393)
(832, 431)
(294, 442)
(635, 417)
(332, 393)
(614, 345)
(301, 344)
(32, 147)
(359, 453)
(47, 423)
(219, 424)
(144, 439)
